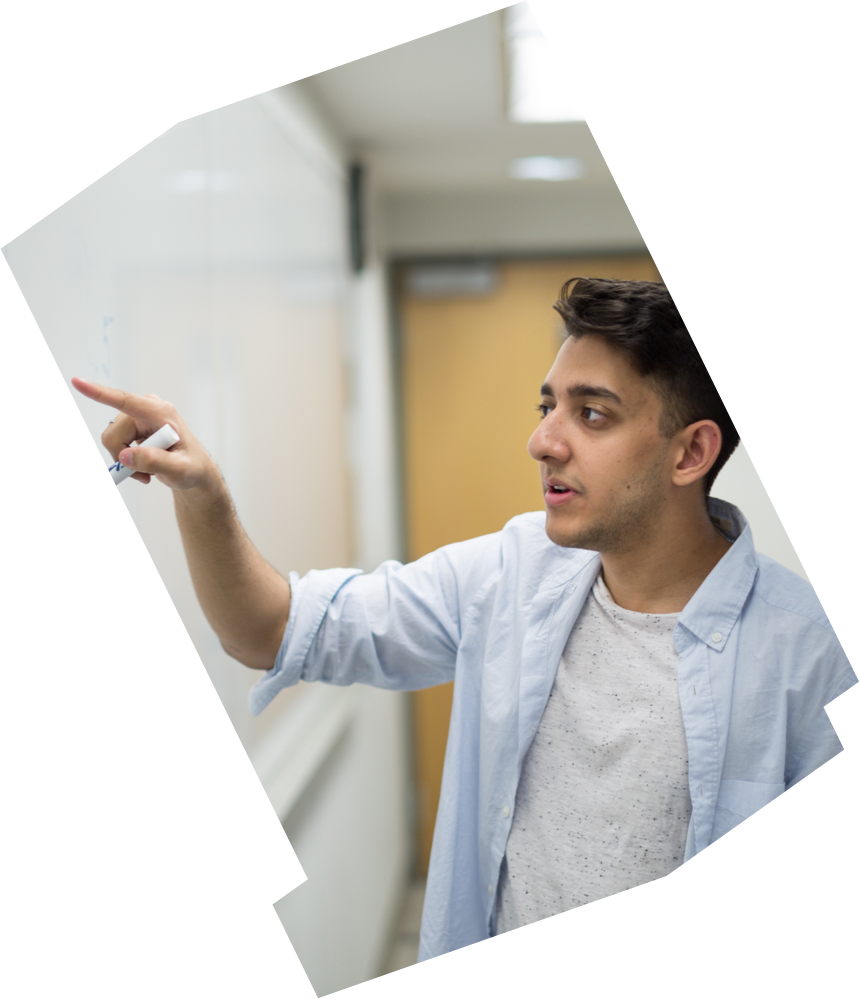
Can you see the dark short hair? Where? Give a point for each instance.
(640, 319)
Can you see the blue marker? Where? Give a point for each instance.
(164, 438)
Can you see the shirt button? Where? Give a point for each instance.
(489, 887)
(717, 636)
(506, 811)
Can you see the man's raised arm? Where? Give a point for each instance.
(245, 600)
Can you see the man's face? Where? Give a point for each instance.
(605, 467)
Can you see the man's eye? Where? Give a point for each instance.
(592, 415)
(543, 410)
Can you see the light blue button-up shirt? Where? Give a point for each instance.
(758, 662)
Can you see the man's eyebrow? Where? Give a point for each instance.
(580, 390)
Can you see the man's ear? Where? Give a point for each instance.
(700, 444)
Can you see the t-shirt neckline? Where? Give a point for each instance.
(604, 598)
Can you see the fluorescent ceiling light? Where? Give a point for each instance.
(537, 88)
(546, 168)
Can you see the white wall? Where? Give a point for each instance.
(537, 218)
(738, 483)
(211, 269)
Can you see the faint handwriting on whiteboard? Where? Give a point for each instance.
(100, 348)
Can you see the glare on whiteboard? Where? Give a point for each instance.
(537, 89)
(194, 181)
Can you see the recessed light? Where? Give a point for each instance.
(546, 168)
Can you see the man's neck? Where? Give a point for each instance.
(661, 575)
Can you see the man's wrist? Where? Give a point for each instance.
(210, 492)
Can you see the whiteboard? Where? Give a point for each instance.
(210, 269)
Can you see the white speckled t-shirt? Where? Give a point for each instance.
(603, 801)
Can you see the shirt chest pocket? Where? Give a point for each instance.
(738, 799)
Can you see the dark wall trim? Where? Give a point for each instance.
(357, 248)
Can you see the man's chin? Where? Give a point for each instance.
(570, 535)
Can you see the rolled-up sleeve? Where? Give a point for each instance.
(812, 739)
(398, 627)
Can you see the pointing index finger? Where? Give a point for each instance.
(125, 402)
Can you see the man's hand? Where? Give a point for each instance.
(186, 465)
(245, 600)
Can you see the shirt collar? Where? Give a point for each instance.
(715, 607)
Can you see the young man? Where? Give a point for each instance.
(632, 678)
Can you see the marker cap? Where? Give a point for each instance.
(164, 438)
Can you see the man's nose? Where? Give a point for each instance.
(547, 443)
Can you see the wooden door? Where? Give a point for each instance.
(471, 373)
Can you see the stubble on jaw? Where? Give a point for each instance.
(629, 520)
